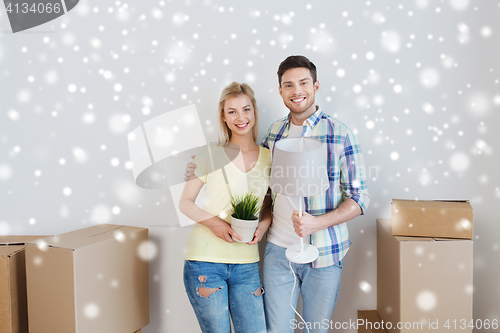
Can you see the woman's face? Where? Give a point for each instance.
(239, 115)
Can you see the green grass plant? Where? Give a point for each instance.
(245, 206)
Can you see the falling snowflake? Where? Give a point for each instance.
(391, 41)
(426, 300)
(147, 250)
(365, 287)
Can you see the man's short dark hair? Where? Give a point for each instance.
(296, 61)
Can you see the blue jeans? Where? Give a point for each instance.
(216, 289)
(319, 288)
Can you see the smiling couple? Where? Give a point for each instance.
(222, 277)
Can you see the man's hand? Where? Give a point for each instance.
(305, 225)
(190, 167)
(221, 229)
(308, 224)
(260, 231)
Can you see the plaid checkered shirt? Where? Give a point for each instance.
(346, 173)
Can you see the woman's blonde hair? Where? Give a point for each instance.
(234, 90)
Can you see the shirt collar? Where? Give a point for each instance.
(313, 120)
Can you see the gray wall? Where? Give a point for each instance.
(418, 81)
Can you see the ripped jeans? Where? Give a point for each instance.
(217, 289)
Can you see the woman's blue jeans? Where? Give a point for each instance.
(216, 289)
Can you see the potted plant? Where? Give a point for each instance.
(244, 219)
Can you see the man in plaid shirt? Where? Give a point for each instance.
(324, 220)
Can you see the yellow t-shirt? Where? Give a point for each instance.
(202, 244)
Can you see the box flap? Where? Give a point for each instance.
(414, 239)
(18, 240)
(432, 204)
(370, 317)
(437, 239)
(7, 251)
(120, 234)
(386, 223)
(17, 285)
(84, 237)
(50, 289)
(5, 313)
(429, 239)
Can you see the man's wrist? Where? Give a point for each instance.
(321, 222)
(325, 221)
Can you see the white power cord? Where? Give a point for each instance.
(294, 278)
(293, 289)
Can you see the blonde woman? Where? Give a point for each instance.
(221, 276)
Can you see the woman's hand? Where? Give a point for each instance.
(188, 207)
(221, 229)
(260, 231)
(190, 167)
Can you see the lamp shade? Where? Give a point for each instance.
(299, 168)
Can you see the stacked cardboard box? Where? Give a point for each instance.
(424, 281)
(90, 280)
(13, 308)
(444, 219)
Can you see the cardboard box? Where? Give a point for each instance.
(445, 219)
(91, 280)
(371, 322)
(423, 281)
(13, 308)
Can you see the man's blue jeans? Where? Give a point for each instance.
(215, 289)
(319, 288)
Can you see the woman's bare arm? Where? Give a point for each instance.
(188, 207)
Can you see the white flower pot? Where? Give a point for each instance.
(244, 228)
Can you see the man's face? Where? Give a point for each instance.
(298, 91)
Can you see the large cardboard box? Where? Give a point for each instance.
(92, 280)
(13, 308)
(446, 219)
(423, 283)
(369, 322)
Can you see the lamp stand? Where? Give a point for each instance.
(302, 253)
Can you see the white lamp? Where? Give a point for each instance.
(299, 169)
